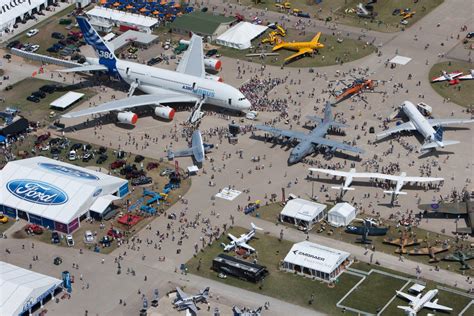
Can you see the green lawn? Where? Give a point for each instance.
(271, 212)
(461, 93)
(5, 226)
(379, 283)
(16, 97)
(336, 10)
(331, 54)
(282, 285)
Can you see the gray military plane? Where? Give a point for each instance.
(184, 301)
(198, 149)
(310, 142)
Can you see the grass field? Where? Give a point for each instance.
(46, 27)
(282, 285)
(335, 10)
(381, 284)
(5, 226)
(461, 93)
(333, 52)
(271, 212)
(39, 112)
(135, 193)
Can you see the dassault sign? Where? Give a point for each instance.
(68, 171)
(38, 192)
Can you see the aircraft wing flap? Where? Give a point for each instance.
(192, 62)
(281, 132)
(437, 306)
(334, 144)
(408, 126)
(299, 53)
(446, 122)
(85, 68)
(134, 101)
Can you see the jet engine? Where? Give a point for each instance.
(127, 117)
(214, 77)
(212, 64)
(165, 112)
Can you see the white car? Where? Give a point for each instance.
(32, 32)
(69, 240)
(33, 48)
(88, 237)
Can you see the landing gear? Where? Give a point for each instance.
(196, 113)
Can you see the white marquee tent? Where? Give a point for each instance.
(301, 212)
(21, 289)
(341, 214)
(314, 260)
(240, 35)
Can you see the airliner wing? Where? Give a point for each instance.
(446, 122)
(409, 297)
(281, 132)
(85, 68)
(134, 101)
(342, 173)
(192, 62)
(299, 53)
(333, 144)
(408, 126)
(437, 306)
(404, 179)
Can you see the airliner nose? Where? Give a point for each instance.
(246, 105)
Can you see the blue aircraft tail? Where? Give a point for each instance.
(92, 38)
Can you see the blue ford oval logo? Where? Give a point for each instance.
(68, 171)
(38, 192)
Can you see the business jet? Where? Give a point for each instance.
(419, 302)
(188, 84)
(426, 127)
(451, 77)
(241, 242)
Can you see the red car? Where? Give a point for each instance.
(117, 164)
(33, 229)
(114, 233)
(42, 138)
(75, 34)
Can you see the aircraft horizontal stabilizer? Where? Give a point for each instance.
(431, 145)
(410, 311)
(338, 124)
(393, 192)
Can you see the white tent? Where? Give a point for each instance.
(341, 214)
(21, 289)
(66, 100)
(301, 212)
(315, 260)
(240, 35)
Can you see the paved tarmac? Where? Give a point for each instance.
(272, 173)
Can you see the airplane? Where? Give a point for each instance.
(462, 258)
(429, 251)
(400, 179)
(198, 149)
(464, 209)
(241, 242)
(359, 85)
(469, 76)
(451, 77)
(246, 311)
(314, 139)
(368, 229)
(184, 301)
(188, 84)
(302, 48)
(402, 243)
(426, 127)
(419, 302)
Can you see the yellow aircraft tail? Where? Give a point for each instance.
(316, 38)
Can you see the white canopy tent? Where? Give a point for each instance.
(341, 214)
(240, 35)
(21, 289)
(66, 100)
(142, 22)
(301, 212)
(314, 260)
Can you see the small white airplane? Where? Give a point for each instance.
(419, 302)
(184, 301)
(198, 149)
(188, 84)
(451, 77)
(349, 176)
(241, 242)
(469, 76)
(426, 127)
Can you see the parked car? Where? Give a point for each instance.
(3, 219)
(117, 164)
(139, 158)
(106, 241)
(13, 44)
(166, 172)
(55, 239)
(49, 88)
(32, 32)
(7, 56)
(31, 229)
(42, 138)
(470, 35)
(211, 52)
(152, 165)
(114, 233)
(32, 98)
(88, 237)
(87, 156)
(142, 180)
(33, 48)
(72, 155)
(39, 94)
(102, 158)
(57, 35)
(154, 61)
(69, 240)
(57, 261)
(76, 146)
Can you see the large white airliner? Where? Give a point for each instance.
(421, 301)
(426, 127)
(188, 84)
